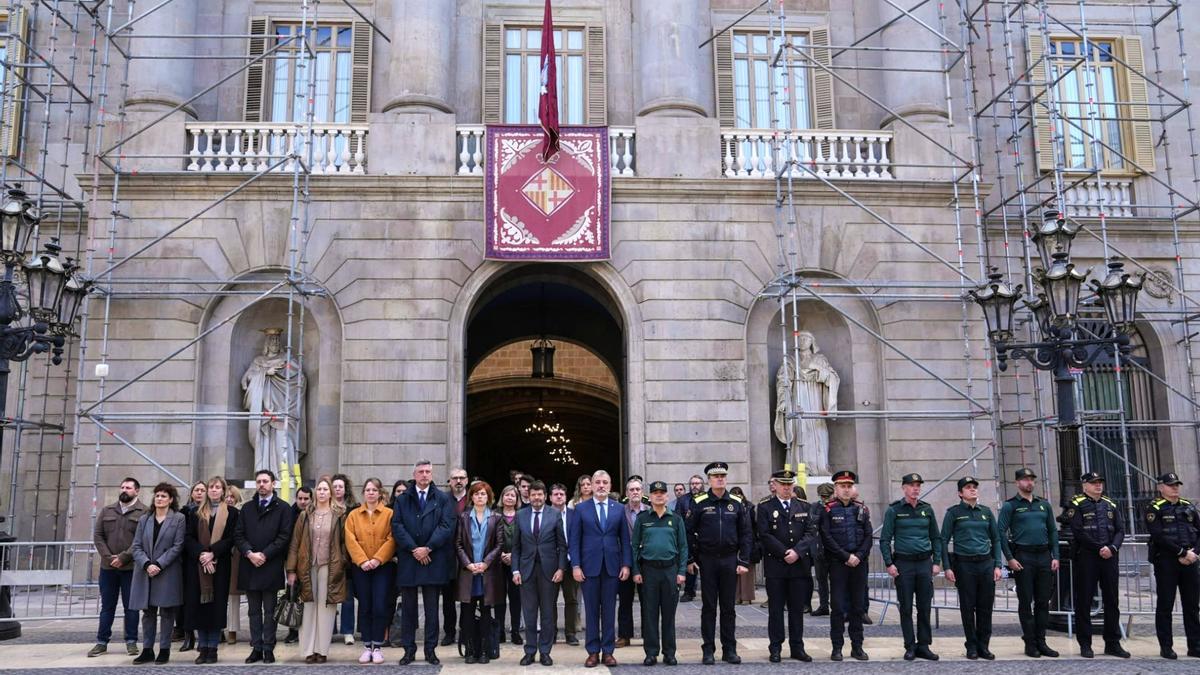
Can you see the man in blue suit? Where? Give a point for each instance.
(598, 541)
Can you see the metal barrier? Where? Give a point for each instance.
(1137, 595)
(51, 579)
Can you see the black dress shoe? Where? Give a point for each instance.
(835, 655)
(649, 661)
(1032, 651)
(821, 611)
(774, 657)
(484, 658)
(146, 656)
(1194, 653)
(910, 654)
(1086, 652)
(255, 656)
(687, 597)
(1116, 650)
(866, 619)
(268, 656)
(1045, 650)
(545, 660)
(1168, 653)
(858, 653)
(527, 660)
(431, 657)
(731, 657)
(800, 655)
(516, 638)
(292, 637)
(447, 639)
(471, 658)
(189, 642)
(164, 656)
(972, 655)
(924, 652)
(572, 640)
(407, 658)
(202, 657)
(670, 661)
(708, 659)
(986, 655)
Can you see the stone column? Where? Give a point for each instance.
(158, 85)
(676, 129)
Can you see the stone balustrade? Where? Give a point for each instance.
(834, 154)
(251, 147)
(1112, 196)
(621, 150)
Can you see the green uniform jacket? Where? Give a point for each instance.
(656, 538)
(1027, 523)
(914, 530)
(973, 531)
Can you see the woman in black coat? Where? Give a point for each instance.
(208, 548)
(185, 627)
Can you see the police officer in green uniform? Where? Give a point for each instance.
(974, 566)
(786, 528)
(1029, 539)
(719, 542)
(846, 534)
(1174, 527)
(911, 547)
(660, 556)
(1097, 532)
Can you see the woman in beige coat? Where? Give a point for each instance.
(316, 560)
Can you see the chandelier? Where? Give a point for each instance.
(552, 436)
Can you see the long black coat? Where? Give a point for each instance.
(212, 615)
(433, 526)
(266, 531)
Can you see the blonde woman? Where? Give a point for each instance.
(208, 545)
(371, 548)
(317, 561)
(233, 618)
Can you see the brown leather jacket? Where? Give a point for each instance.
(493, 578)
(113, 533)
(300, 557)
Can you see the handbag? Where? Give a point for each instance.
(289, 610)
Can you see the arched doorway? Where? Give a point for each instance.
(555, 428)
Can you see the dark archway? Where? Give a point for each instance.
(569, 308)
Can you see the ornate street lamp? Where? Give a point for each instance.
(1055, 233)
(543, 358)
(997, 299)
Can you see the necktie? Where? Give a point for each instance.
(422, 496)
(537, 523)
(262, 503)
(603, 513)
(786, 506)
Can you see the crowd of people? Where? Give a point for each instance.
(478, 555)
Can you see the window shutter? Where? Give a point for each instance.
(723, 67)
(1043, 133)
(255, 91)
(1142, 151)
(597, 78)
(822, 81)
(493, 73)
(10, 116)
(360, 78)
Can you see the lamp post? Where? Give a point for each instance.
(1056, 310)
(52, 294)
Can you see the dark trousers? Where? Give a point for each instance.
(345, 617)
(408, 616)
(915, 581)
(788, 593)
(261, 610)
(114, 583)
(718, 586)
(625, 592)
(659, 598)
(821, 574)
(1035, 586)
(450, 608)
(539, 604)
(1091, 570)
(976, 595)
(164, 618)
(847, 604)
(373, 590)
(689, 586)
(570, 593)
(510, 599)
(476, 626)
(600, 609)
(1169, 576)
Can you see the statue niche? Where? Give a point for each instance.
(275, 436)
(809, 386)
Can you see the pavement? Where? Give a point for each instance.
(51, 646)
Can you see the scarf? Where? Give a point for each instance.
(206, 539)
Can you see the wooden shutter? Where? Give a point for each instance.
(1039, 75)
(1140, 132)
(493, 73)
(360, 78)
(723, 67)
(597, 78)
(822, 81)
(255, 98)
(10, 116)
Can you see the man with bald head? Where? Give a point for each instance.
(598, 540)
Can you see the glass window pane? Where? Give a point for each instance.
(575, 88)
(558, 81)
(344, 36)
(512, 38)
(533, 38)
(533, 88)
(557, 41)
(341, 101)
(324, 36)
(512, 89)
(283, 31)
(741, 92)
(739, 43)
(762, 96)
(800, 110)
(1068, 48)
(575, 39)
(760, 44)
(279, 90)
(322, 98)
(1109, 111)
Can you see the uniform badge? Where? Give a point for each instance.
(1070, 513)
(1110, 515)
(1150, 517)
(1188, 516)
(731, 507)
(774, 514)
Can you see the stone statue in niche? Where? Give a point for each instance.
(810, 386)
(276, 437)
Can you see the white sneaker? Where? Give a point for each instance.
(377, 655)
(366, 656)
(350, 640)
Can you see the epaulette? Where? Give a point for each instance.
(898, 503)
(1157, 503)
(700, 497)
(1078, 499)
(1183, 501)
(735, 498)
(1105, 498)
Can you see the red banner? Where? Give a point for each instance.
(548, 102)
(556, 210)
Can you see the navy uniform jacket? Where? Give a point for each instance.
(846, 530)
(1095, 523)
(781, 530)
(720, 526)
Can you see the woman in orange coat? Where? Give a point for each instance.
(371, 549)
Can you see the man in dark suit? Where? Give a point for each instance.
(539, 556)
(599, 546)
(787, 531)
(423, 527)
(262, 535)
(683, 506)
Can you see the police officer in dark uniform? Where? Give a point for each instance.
(1097, 531)
(911, 547)
(975, 564)
(1174, 527)
(786, 528)
(846, 534)
(719, 541)
(1029, 539)
(659, 546)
